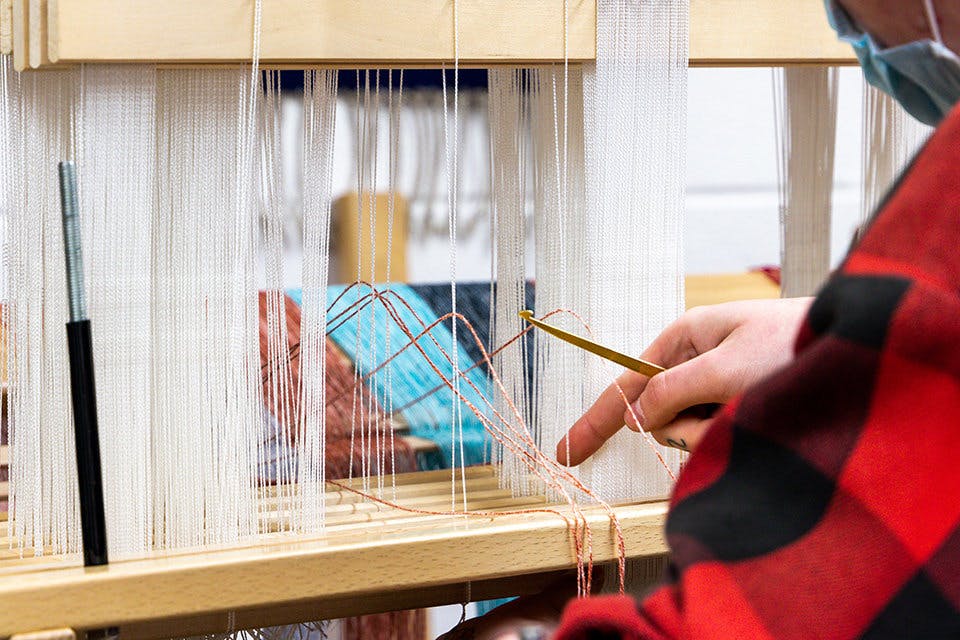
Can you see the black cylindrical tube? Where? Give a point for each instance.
(89, 472)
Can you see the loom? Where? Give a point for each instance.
(362, 555)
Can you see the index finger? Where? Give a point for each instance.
(603, 419)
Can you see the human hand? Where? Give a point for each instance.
(712, 354)
(530, 617)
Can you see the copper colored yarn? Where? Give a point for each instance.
(344, 411)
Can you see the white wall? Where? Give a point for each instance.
(732, 208)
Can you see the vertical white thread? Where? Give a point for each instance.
(451, 145)
(509, 114)
(207, 408)
(116, 167)
(394, 168)
(320, 94)
(890, 138)
(559, 221)
(806, 102)
(43, 485)
(635, 122)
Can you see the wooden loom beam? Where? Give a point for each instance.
(352, 33)
(280, 579)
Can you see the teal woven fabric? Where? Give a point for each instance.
(410, 379)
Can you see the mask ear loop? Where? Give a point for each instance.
(932, 19)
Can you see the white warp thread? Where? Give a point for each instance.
(635, 119)
(319, 100)
(509, 113)
(116, 166)
(44, 510)
(806, 114)
(560, 233)
(890, 138)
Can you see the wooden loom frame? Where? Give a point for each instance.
(390, 33)
(420, 560)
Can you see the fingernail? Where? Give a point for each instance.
(638, 412)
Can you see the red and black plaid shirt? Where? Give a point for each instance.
(825, 502)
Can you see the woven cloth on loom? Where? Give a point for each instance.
(412, 384)
(473, 302)
(343, 414)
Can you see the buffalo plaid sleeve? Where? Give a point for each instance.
(825, 502)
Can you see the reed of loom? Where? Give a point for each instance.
(421, 560)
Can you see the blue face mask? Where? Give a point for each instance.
(923, 76)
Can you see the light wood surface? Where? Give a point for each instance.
(351, 236)
(49, 634)
(408, 33)
(6, 27)
(19, 34)
(328, 31)
(763, 33)
(325, 609)
(716, 288)
(39, 41)
(407, 561)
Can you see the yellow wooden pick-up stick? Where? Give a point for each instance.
(640, 366)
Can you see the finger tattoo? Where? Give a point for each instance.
(678, 444)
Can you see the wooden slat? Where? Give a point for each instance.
(321, 31)
(38, 33)
(714, 289)
(449, 551)
(6, 27)
(763, 33)
(223, 622)
(47, 634)
(20, 34)
(416, 32)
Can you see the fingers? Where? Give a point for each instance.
(606, 416)
(684, 433)
(601, 420)
(702, 380)
(690, 379)
(674, 345)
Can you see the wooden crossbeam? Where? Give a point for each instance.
(352, 33)
(408, 560)
(6, 26)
